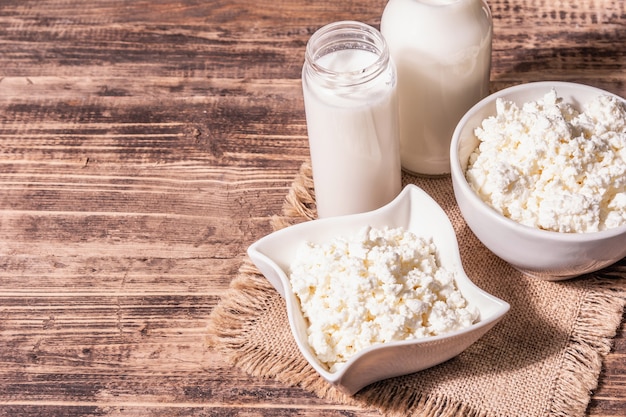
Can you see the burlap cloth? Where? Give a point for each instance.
(543, 359)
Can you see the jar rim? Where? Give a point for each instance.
(344, 35)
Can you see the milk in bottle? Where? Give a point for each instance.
(349, 88)
(442, 51)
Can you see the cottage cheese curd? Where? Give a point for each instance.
(378, 286)
(550, 166)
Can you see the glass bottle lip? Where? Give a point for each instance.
(345, 35)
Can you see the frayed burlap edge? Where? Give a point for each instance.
(591, 339)
(246, 299)
(299, 204)
(599, 317)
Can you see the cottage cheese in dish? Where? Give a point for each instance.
(552, 166)
(378, 286)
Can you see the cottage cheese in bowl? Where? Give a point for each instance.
(550, 165)
(376, 286)
(539, 175)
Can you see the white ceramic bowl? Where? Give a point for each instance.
(545, 254)
(416, 211)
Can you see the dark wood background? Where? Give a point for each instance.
(144, 145)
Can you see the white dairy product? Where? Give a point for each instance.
(378, 286)
(442, 51)
(352, 124)
(550, 166)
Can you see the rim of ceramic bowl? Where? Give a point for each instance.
(458, 173)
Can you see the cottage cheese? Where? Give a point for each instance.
(378, 286)
(548, 165)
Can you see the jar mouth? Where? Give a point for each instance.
(347, 35)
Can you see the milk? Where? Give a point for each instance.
(442, 51)
(353, 131)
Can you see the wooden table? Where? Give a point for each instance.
(144, 145)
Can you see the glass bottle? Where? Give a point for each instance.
(442, 50)
(349, 88)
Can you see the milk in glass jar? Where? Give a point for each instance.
(442, 51)
(350, 98)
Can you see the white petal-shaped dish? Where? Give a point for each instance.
(416, 211)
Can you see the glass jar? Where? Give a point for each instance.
(350, 99)
(442, 50)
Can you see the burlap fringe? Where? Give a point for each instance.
(299, 204)
(246, 298)
(590, 340)
(600, 315)
(393, 401)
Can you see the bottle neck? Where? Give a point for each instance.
(451, 6)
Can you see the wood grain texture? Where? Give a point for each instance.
(144, 145)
